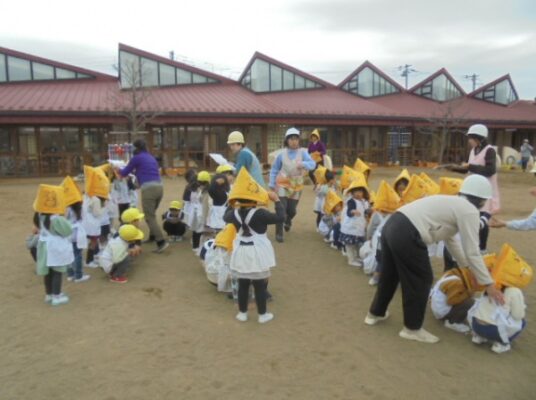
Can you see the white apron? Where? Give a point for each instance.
(438, 299)
(195, 214)
(59, 249)
(215, 217)
(252, 256)
(506, 325)
(355, 226)
(493, 205)
(186, 210)
(91, 223)
(289, 180)
(369, 260)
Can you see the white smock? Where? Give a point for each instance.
(438, 299)
(195, 213)
(252, 256)
(215, 217)
(59, 249)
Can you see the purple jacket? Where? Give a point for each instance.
(318, 146)
(144, 166)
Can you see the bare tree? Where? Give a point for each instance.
(448, 120)
(133, 99)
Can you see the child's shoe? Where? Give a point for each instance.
(373, 281)
(92, 264)
(371, 319)
(242, 316)
(500, 347)
(59, 299)
(48, 298)
(461, 328)
(119, 279)
(333, 246)
(420, 335)
(83, 278)
(478, 339)
(70, 278)
(266, 317)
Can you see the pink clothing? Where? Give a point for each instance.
(493, 205)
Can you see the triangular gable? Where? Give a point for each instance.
(369, 81)
(265, 74)
(146, 69)
(440, 86)
(16, 66)
(500, 91)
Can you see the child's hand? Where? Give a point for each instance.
(495, 294)
(273, 196)
(356, 213)
(35, 230)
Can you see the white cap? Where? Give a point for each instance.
(478, 129)
(292, 131)
(478, 186)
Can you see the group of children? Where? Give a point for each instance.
(350, 217)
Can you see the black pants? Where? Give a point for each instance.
(174, 229)
(290, 206)
(196, 239)
(121, 268)
(458, 313)
(53, 282)
(260, 294)
(484, 230)
(405, 260)
(448, 261)
(318, 218)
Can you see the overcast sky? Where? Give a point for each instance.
(328, 39)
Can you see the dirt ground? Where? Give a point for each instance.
(168, 334)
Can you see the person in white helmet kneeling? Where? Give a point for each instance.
(405, 259)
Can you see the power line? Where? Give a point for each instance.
(406, 70)
(473, 78)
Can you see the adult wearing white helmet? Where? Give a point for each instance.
(286, 177)
(482, 161)
(245, 157)
(405, 259)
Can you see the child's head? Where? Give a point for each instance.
(337, 209)
(401, 185)
(191, 175)
(227, 171)
(130, 233)
(359, 193)
(330, 177)
(175, 206)
(77, 209)
(132, 216)
(203, 178)
(243, 203)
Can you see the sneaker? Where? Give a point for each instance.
(70, 278)
(48, 298)
(371, 319)
(266, 317)
(92, 264)
(343, 251)
(500, 347)
(119, 279)
(83, 278)
(59, 299)
(161, 247)
(327, 240)
(476, 339)
(287, 227)
(333, 246)
(420, 335)
(356, 263)
(373, 281)
(279, 238)
(461, 328)
(242, 316)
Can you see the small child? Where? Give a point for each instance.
(253, 255)
(502, 323)
(325, 180)
(330, 216)
(79, 241)
(218, 192)
(173, 224)
(54, 250)
(115, 258)
(198, 208)
(354, 223)
(121, 194)
(91, 217)
(191, 178)
(105, 222)
(402, 182)
(452, 297)
(33, 239)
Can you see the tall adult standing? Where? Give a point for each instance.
(405, 259)
(286, 177)
(317, 151)
(482, 161)
(145, 167)
(526, 151)
(245, 157)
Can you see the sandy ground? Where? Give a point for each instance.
(168, 334)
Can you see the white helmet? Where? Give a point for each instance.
(478, 129)
(478, 186)
(292, 131)
(235, 137)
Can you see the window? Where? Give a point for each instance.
(276, 78)
(19, 69)
(199, 78)
(27, 141)
(184, 77)
(441, 88)
(501, 93)
(369, 83)
(65, 74)
(288, 80)
(149, 72)
(260, 76)
(299, 82)
(3, 76)
(5, 141)
(42, 71)
(167, 75)
(71, 139)
(129, 68)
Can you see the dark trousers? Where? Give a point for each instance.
(52, 282)
(524, 163)
(448, 262)
(318, 218)
(196, 239)
(290, 206)
(260, 294)
(75, 269)
(458, 312)
(92, 249)
(174, 229)
(33, 252)
(337, 235)
(484, 230)
(121, 268)
(405, 260)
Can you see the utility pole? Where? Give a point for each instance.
(172, 55)
(473, 78)
(406, 70)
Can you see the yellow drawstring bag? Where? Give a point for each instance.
(387, 200)
(431, 186)
(225, 237)
(415, 190)
(362, 167)
(320, 175)
(50, 199)
(96, 182)
(71, 190)
(450, 186)
(510, 269)
(246, 188)
(347, 176)
(332, 200)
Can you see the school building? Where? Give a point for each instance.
(54, 117)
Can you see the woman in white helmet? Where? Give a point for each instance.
(482, 161)
(245, 157)
(405, 259)
(286, 177)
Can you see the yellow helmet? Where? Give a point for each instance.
(72, 191)
(203, 176)
(387, 200)
(362, 167)
(347, 176)
(510, 269)
(131, 214)
(235, 137)
(415, 190)
(320, 175)
(129, 233)
(431, 186)
(332, 200)
(50, 199)
(225, 237)
(246, 188)
(175, 205)
(450, 186)
(224, 168)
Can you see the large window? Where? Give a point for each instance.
(3, 68)
(5, 141)
(263, 76)
(369, 83)
(19, 69)
(441, 88)
(501, 93)
(141, 71)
